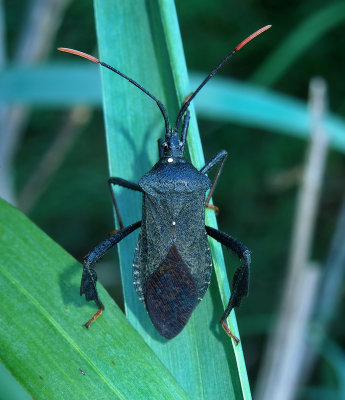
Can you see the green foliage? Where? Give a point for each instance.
(75, 209)
(43, 342)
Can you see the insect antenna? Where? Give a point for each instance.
(212, 73)
(96, 60)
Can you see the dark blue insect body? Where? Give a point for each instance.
(172, 261)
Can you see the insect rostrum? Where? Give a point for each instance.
(172, 261)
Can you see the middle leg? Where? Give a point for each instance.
(123, 183)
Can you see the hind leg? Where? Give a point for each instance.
(240, 282)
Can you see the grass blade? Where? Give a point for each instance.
(43, 342)
(142, 40)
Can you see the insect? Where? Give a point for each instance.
(172, 260)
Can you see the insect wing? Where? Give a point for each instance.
(171, 295)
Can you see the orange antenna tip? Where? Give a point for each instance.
(252, 36)
(79, 53)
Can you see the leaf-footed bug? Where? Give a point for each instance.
(167, 279)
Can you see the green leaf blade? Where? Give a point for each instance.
(142, 40)
(43, 342)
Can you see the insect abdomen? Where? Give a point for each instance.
(171, 295)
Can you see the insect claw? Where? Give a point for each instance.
(213, 207)
(111, 233)
(229, 333)
(97, 314)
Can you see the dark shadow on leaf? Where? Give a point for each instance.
(69, 282)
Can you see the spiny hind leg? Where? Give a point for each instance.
(240, 282)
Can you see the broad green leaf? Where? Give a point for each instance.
(142, 40)
(224, 99)
(43, 342)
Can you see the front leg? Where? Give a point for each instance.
(240, 282)
(218, 158)
(89, 277)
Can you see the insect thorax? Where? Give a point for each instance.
(174, 175)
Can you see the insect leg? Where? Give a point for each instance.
(123, 183)
(218, 158)
(240, 282)
(89, 277)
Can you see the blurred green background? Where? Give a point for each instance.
(258, 188)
